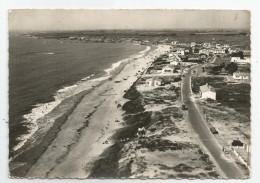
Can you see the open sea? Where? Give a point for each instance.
(38, 68)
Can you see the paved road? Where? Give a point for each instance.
(228, 166)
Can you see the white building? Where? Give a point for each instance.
(226, 46)
(153, 82)
(241, 76)
(218, 46)
(174, 63)
(192, 44)
(234, 59)
(206, 45)
(180, 51)
(219, 51)
(241, 61)
(207, 91)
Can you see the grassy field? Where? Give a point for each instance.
(236, 96)
(216, 82)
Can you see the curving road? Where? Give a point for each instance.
(197, 123)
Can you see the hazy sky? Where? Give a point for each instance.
(126, 19)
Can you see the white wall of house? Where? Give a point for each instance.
(174, 63)
(219, 51)
(240, 77)
(157, 83)
(149, 83)
(218, 46)
(234, 59)
(244, 61)
(153, 82)
(240, 61)
(180, 52)
(208, 94)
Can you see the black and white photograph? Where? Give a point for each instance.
(129, 94)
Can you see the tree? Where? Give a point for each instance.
(231, 68)
(226, 51)
(223, 65)
(238, 54)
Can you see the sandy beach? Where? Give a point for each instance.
(86, 132)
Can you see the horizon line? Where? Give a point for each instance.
(137, 29)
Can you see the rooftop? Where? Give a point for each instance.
(206, 87)
(241, 74)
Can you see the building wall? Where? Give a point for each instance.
(208, 94)
(180, 52)
(241, 77)
(149, 83)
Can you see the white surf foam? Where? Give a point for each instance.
(100, 78)
(117, 64)
(144, 51)
(113, 67)
(40, 110)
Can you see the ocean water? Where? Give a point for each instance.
(40, 69)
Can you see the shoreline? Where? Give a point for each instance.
(24, 118)
(17, 168)
(93, 104)
(31, 119)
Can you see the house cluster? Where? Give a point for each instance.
(206, 49)
(167, 64)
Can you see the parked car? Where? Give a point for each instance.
(184, 107)
(213, 130)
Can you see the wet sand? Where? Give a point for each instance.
(86, 132)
